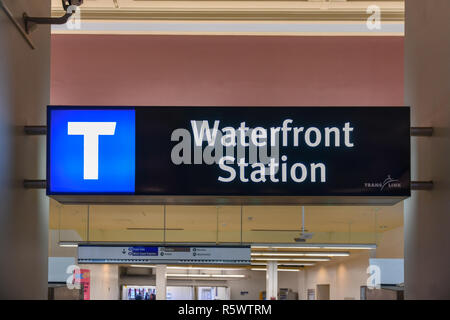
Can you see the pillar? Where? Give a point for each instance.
(104, 281)
(302, 285)
(24, 95)
(427, 91)
(161, 282)
(272, 280)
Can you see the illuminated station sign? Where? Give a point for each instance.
(229, 155)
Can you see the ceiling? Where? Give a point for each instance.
(297, 17)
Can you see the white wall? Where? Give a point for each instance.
(289, 280)
(253, 284)
(345, 278)
(24, 95)
(427, 91)
(256, 282)
(347, 275)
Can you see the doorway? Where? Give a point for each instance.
(323, 292)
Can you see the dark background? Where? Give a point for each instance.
(381, 138)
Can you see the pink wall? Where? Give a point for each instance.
(226, 70)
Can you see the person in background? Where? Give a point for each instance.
(139, 296)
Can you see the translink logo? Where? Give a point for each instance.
(92, 151)
(91, 132)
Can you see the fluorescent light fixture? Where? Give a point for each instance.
(189, 275)
(264, 269)
(300, 264)
(327, 254)
(332, 246)
(203, 268)
(68, 244)
(142, 266)
(302, 254)
(228, 275)
(185, 268)
(291, 259)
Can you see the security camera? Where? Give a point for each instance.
(75, 2)
(31, 22)
(304, 236)
(68, 3)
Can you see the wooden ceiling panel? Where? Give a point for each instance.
(253, 10)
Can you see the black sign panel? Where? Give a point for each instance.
(258, 153)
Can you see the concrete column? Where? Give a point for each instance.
(272, 280)
(24, 95)
(302, 285)
(104, 281)
(427, 91)
(161, 281)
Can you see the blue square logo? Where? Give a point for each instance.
(91, 151)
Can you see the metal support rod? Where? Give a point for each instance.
(88, 224)
(35, 184)
(217, 225)
(241, 225)
(164, 234)
(30, 22)
(422, 185)
(303, 219)
(35, 130)
(421, 131)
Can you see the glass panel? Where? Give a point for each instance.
(229, 224)
(119, 223)
(222, 224)
(73, 222)
(325, 224)
(191, 223)
(264, 224)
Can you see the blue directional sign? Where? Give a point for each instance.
(91, 151)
